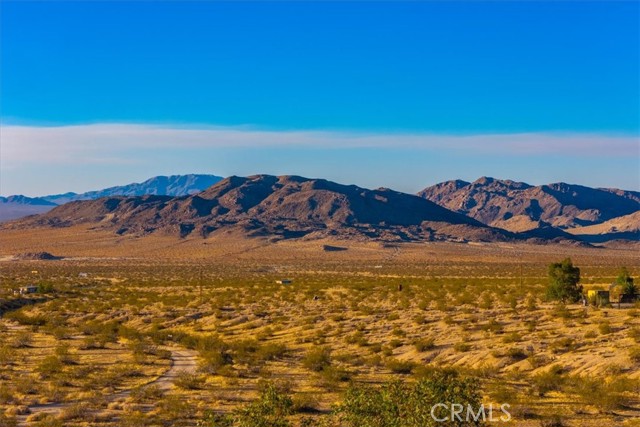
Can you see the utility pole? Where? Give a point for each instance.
(200, 281)
(521, 273)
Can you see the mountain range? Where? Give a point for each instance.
(520, 207)
(13, 207)
(275, 207)
(280, 207)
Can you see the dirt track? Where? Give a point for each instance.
(182, 360)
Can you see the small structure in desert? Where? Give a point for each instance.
(284, 281)
(598, 297)
(618, 295)
(31, 289)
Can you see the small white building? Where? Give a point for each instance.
(32, 289)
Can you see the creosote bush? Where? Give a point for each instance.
(409, 404)
(271, 409)
(317, 359)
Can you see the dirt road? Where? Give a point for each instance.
(182, 360)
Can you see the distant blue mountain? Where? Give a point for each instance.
(24, 200)
(14, 207)
(174, 185)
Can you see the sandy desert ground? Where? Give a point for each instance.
(162, 331)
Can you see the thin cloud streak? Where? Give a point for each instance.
(122, 143)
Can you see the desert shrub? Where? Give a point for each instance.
(604, 395)
(115, 376)
(395, 343)
(189, 381)
(604, 328)
(317, 359)
(50, 365)
(129, 333)
(91, 343)
(143, 347)
(7, 421)
(48, 420)
(398, 332)
(251, 351)
(104, 332)
(271, 351)
(22, 339)
(332, 376)
(24, 319)
(462, 347)
(408, 405)
(271, 409)
(75, 411)
(424, 344)
(420, 320)
(531, 325)
(62, 351)
(6, 394)
(214, 419)
(45, 288)
(375, 347)
(590, 334)
(552, 421)
(175, 410)
(486, 301)
(532, 303)
(27, 385)
(634, 333)
(492, 326)
(511, 338)
(561, 311)
(357, 338)
(563, 345)
(516, 353)
(551, 380)
(146, 394)
(400, 366)
(132, 418)
(214, 361)
(537, 361)
(61, 332)
(304, 402)
(6, 355)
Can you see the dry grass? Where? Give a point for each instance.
(475, 308)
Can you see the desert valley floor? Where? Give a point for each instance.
(132, 331)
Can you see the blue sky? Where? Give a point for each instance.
(386, 74)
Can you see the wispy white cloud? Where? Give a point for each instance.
(117, 143)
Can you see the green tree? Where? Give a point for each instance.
(45, 288)
(563, 281)
(404, 404)
(625, 281)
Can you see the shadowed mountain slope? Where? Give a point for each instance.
(280, 207)
(519, 207)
